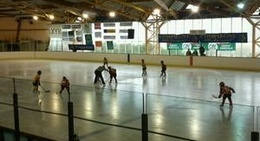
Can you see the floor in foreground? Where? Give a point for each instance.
(180, 106)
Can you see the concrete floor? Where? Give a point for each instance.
(179, 107)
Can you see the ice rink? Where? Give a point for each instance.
(180, 107)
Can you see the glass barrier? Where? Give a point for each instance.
(7, 114)
(24, 45)
(235, 50)
(107, 113)
(6, 90)
(199, 120)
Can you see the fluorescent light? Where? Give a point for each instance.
(240, 5)
(193, 8)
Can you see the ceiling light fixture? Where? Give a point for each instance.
(112, 14)
(85, 14)
(35, 18)
(79, 18)
(194, 9)
(50, 16)
(156, 11)
(240, 5)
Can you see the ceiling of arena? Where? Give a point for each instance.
(68, 11)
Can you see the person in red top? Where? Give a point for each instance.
(113, 74)
(65, 84)
(36, 81)
(225, 92)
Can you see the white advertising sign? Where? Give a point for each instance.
(55, 31)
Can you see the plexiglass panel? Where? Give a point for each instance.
(216, 25)
(207, 25)
(226, 25)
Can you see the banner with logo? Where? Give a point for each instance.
(226, 46)
(207, 38)
(207, 46)
(174, 46)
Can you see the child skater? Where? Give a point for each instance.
(163, 71)
(225, 92)
(105, 62)
(36, 81)
(144, 68)
(113, 74)
(65, 84)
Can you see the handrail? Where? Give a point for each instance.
(98, 122)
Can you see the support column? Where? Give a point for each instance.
(254, 136)
(70, 121)
(16, 114)
(255, 133)
(144, 127)
(19, 24)
(16, 118)
(144, 119)
(152, 30)
(255, 38)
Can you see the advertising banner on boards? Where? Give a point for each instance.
(206, 38)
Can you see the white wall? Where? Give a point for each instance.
(216, 25)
